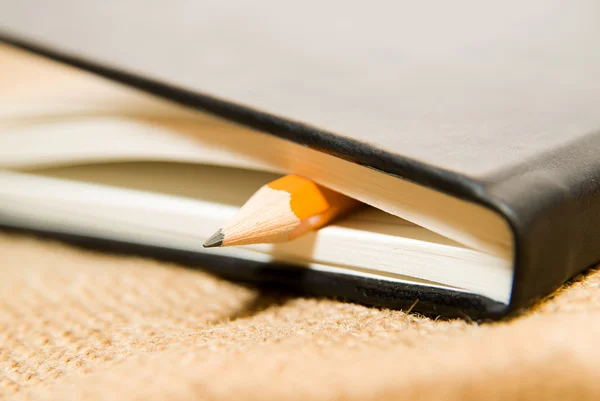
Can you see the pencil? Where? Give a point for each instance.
(282, 210)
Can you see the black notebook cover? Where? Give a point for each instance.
(494, 103)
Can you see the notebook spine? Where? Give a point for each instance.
(552, 204)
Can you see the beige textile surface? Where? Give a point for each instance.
(77, 324)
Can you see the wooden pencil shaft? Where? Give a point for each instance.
(283, 210)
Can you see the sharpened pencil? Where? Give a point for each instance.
(282, 210)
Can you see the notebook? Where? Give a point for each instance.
(470, 137)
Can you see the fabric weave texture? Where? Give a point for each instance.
(77, 324)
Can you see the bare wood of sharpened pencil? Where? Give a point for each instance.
(282, 210)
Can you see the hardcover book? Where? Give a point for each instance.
(469, 131)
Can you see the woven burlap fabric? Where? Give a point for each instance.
(76, 324)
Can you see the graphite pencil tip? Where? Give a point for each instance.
(215, 240)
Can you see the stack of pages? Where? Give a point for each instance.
(88, 156)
